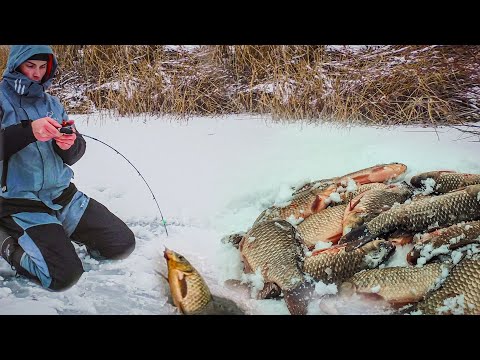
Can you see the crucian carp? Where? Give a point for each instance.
(428, 213)
(334, 265)
(445, 180)
(190, 293)
(272, 247)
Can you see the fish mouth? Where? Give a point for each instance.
(383, 250)
(167, 253)
(413, 256)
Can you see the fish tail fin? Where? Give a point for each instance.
(356, 238)
(353, 234)
(359, 243)
(297, 298)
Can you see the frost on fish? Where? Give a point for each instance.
(429, 185)
(460, 293)
(351, 185)
(428, 252)
(335, 197)
(334, 265)
(254, 280)
(277, 255)
(454, 305)
(444, 272)
(442, 210)
(441, 241)
(441, 182)
(325, 289)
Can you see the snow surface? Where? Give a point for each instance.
(213, 177)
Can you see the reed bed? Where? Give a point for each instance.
(380, 85)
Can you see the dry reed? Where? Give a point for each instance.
(378, 85)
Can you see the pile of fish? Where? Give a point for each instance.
(342, 231)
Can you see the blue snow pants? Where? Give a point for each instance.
(46, 252)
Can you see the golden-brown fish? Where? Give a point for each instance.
(313, 200)
(420, 215)
(318, 184)
(334, 265)
(370, 204)
(445, 180)
(377, 173)
(347, 196)
(396, 285)
(273, 248)
(302, 205)
(324, 226)
(373, 174)
(190, 293)
(449, 238)
(459, 294)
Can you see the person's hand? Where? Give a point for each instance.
(45, 128)
(65, 141)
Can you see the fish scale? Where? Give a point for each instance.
(272, 247)
(375, 174)
(301, 204)
(349, 195)
(200, 295)
(323, 225)
(447, 209)
(371, 205)
(397, 285)
(318, 184)
(446, 181)
(189, 291)
(334, 267)
(464, 280)
(453, 236)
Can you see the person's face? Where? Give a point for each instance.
(34, 69)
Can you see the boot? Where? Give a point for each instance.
(8, 246)
(12, 252)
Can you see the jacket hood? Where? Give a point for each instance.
(20, 53)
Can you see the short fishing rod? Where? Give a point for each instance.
(68, 130)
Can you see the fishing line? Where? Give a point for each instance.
(119, 153)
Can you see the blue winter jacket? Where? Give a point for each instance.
(32, 170)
